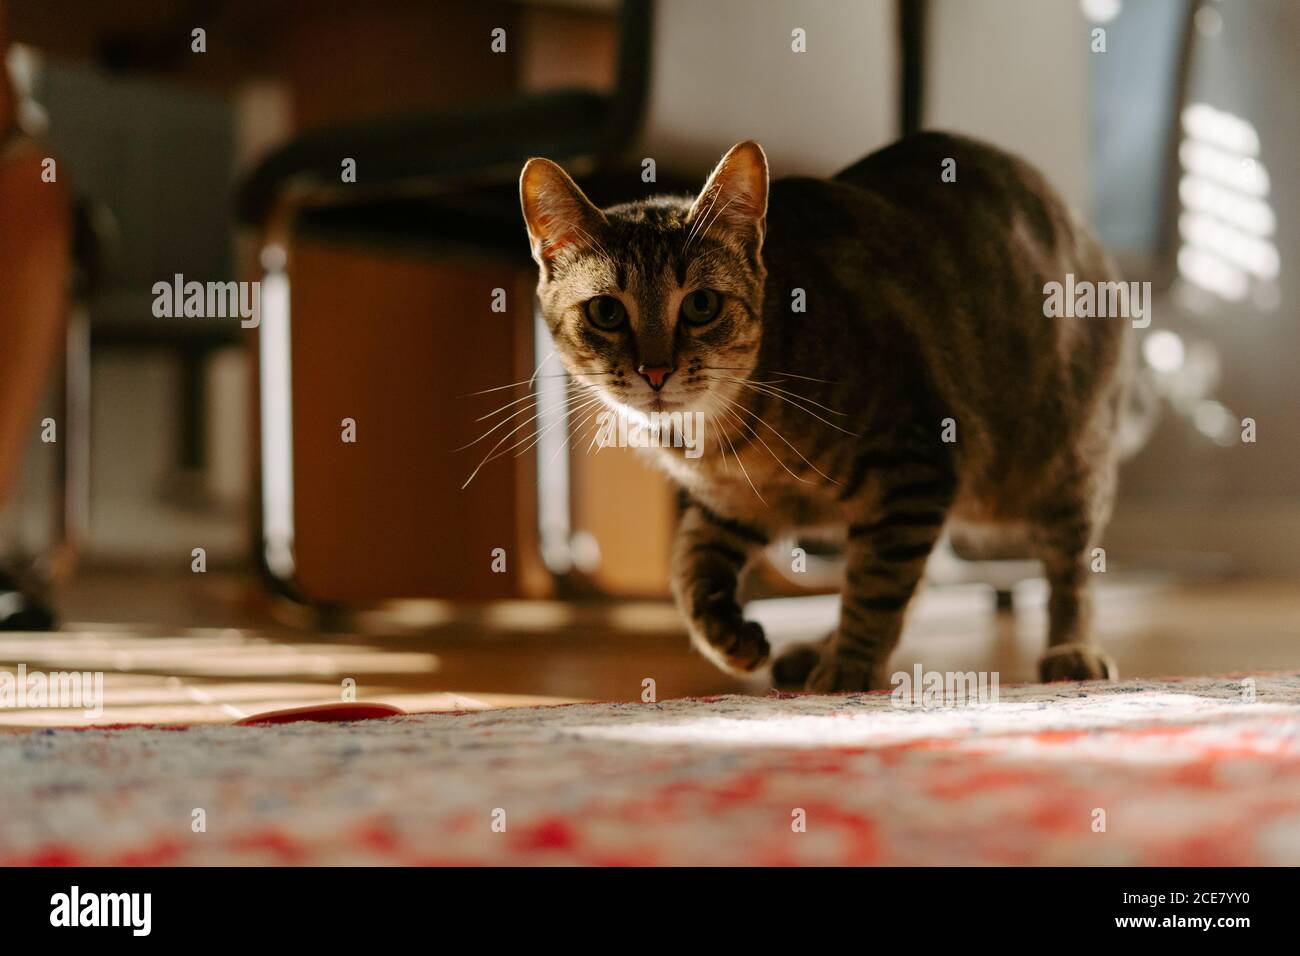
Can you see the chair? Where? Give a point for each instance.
(429, 230)
(34, 271)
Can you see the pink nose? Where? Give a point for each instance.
(655, 376)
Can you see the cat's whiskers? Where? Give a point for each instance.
(573, 387)
(780, 395)
(726, 465)
(522, 411)
(774, 388)
(549, 355)
(765, 371)
(595, 438)
(492, 453)
(523, 398)
(528, 440)
(542, 433)
(768, 425)
(503, 422)
(775, 457)
(743, 470)
(529, 382)
(568, 438)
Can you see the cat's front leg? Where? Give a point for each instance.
(709, 553)
(885, 558)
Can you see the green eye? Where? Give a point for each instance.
(606, 312)
(701, 306)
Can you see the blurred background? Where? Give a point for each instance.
(213, 139)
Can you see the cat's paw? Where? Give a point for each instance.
(834, 673)
(793, 665)
(1076, 662)
(742, 649)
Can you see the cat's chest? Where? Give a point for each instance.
(749, 488)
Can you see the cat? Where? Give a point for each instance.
(873, 357)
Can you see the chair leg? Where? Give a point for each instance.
(23, 605)
(70, 505)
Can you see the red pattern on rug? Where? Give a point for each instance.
(1174, 772)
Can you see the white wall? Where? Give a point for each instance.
(1014, 73)
(723, 71)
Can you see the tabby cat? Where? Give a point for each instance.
(872, 357)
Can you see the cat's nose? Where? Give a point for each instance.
(656, 376)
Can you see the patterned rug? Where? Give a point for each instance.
(1178, 772)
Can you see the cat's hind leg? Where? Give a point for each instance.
(1062, 537)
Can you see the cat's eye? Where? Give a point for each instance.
(606, 312)
(701, 306)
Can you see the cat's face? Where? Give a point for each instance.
(656, 304)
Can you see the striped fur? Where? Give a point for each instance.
(923, 305)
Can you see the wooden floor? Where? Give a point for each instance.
(188, 648)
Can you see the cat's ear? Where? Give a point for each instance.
(733, 203)
(558, 215)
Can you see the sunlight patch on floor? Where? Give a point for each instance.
(879, 724)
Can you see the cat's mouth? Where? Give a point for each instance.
(684, 401)
(643, 407)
